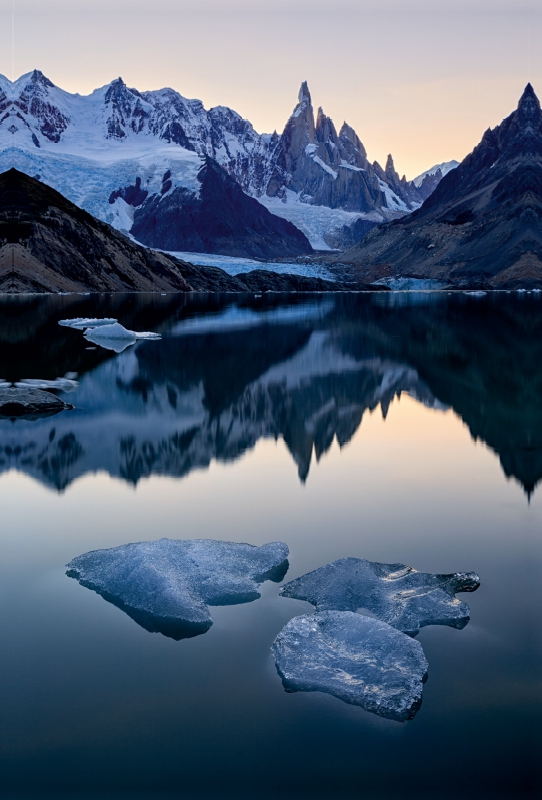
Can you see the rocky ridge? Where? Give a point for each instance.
(48, 244)
(482, 226)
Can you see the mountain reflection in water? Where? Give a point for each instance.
(230, 371)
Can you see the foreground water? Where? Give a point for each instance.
(395, 428)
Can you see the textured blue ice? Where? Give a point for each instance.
(357, 659)
(167, 585)
(394, 593)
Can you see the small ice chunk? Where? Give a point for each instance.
(399, 595)
(166, 586)
(86, 322)
(358, 659)
(116, 337)
(476, 294)
(60, 384)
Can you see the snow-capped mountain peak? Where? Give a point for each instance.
(444, 168)
(93, 147)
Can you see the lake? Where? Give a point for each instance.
(394, 427)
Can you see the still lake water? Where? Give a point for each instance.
(397, 428)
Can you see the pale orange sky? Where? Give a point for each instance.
(421, 79)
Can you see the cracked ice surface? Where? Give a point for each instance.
(166, 586)
(399, 595)
(357, 659)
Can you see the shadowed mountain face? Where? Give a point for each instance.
(229, 373)
(222, 219)
(483, 223)
(48, 244)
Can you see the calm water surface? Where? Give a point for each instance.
(397, 428)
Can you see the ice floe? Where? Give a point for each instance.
(116, 337)
(394, 593)
(166, 586)
(355, 658)
(80, 323)
(107, 333)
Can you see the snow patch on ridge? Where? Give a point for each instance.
(445, 168)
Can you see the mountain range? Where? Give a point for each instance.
(482, 226)
(48, 244)
(140, 159)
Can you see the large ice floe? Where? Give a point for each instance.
(373, 663)
(166, 586)
(394, 593)
(358, 659)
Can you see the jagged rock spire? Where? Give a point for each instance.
(304, 95)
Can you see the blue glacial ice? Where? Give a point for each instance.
(166, 586)
(394, 593)
(357, 659)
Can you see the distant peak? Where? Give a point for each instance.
(528, 96)
(304, 94)
(390, 166)
(38, 77)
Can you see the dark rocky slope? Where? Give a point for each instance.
(221, 219)
(482, 226)
(48, 244)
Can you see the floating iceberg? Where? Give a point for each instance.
(357, 659)
(80, 323)
(116, 337)
(394, 593)
(166, 586)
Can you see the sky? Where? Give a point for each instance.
(421, 79)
